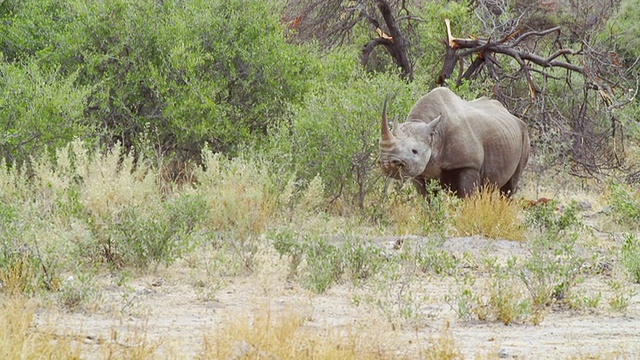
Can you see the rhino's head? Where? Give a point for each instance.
(406, 151)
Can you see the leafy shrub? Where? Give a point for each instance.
(77, 292)
(554, 267)
(324, 264)
(501, 298)
(140, 237)
(190, 72)
(552, 271)
(438, 261)
(287, 243)
(504, 302)
(40, 108)
(362, 259)
(624, 29)
(335, 131)
(321, 262)
(547, 218)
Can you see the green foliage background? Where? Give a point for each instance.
(184, 73)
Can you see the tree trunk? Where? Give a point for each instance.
(401, 58)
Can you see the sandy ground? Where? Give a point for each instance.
(167, 308)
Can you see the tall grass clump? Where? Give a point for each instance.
(443, 347)
(241, 194)
(85, 207)
(242, 197)
(488, 213)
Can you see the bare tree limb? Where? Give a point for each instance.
(399, 44)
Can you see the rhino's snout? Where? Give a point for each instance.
(392, 163)
(393, 166)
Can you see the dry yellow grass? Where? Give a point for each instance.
(21, 337)
(266, 336)
(20, 276)
(487, 213)
(444, 346)
(20, 340)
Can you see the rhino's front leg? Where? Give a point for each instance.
(420, 185)
(463, 182)
(425, 189)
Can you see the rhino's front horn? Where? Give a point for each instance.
(387, 137)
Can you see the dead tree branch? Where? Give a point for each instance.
(579, 124)
(394, 43)
(330, 22)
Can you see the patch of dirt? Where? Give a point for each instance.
(168, 308)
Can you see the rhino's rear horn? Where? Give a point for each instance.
(396, 127)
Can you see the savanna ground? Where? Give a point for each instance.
(113, 264)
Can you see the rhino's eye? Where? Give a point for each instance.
(414, 151)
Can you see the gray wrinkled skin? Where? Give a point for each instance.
(462, 144)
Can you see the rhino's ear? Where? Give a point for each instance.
(432, 126)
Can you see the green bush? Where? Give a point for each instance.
(624, 205)
(141, 237)
(631, 257)
(178, 74)
(39, 108)
(321, 263)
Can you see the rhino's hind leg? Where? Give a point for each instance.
(463, 182)
(511, 186)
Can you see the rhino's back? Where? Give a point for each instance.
(439, 101)
(480, 133)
